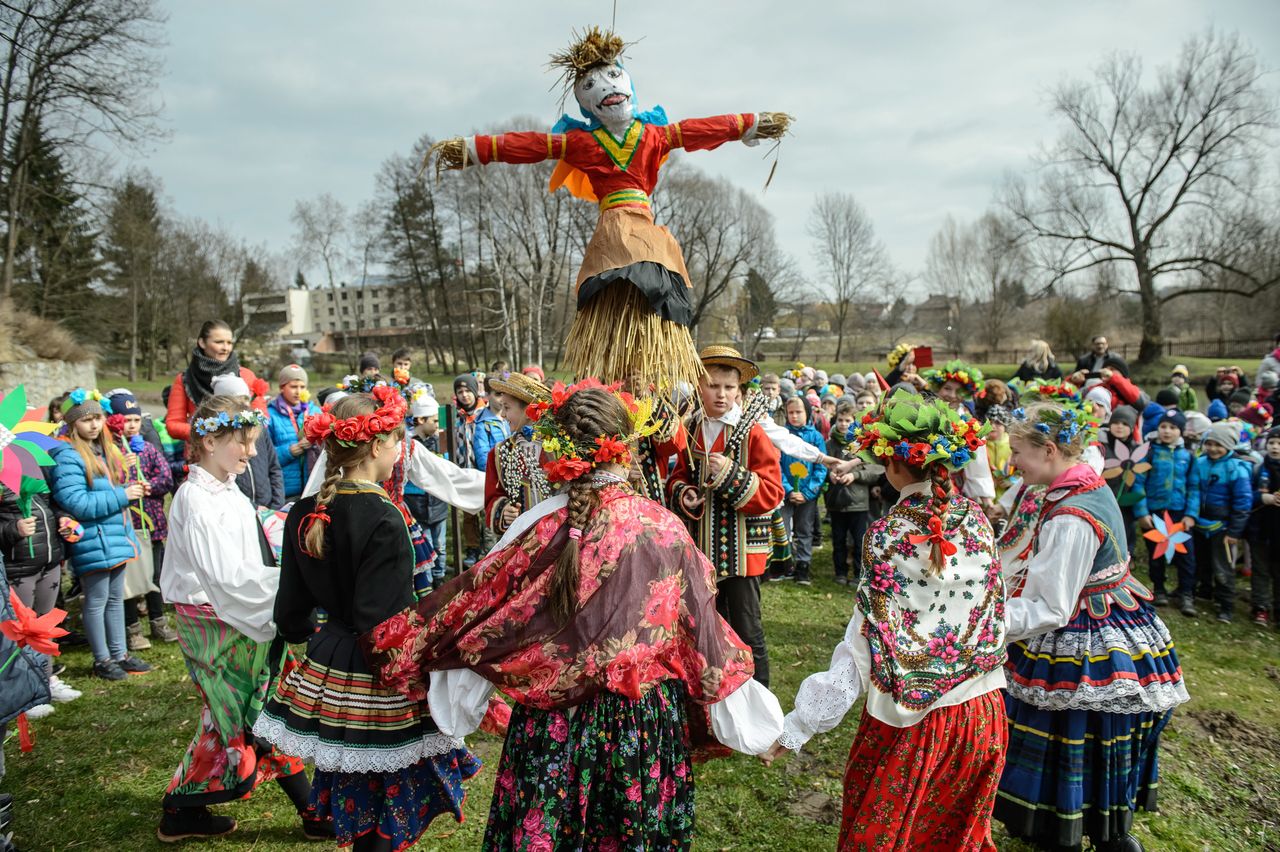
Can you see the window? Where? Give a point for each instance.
(331, 312)
(346, 311)
(346, 326)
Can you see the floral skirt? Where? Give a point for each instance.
(232, 674)
(929, 786)
(397, 805)
(615, 774)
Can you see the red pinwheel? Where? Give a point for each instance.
(37, 632)
(936, 537)
(1167, 535)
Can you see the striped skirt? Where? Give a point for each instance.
(232, 674)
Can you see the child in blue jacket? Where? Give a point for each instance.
(803, 482)
(1171, 486)
(1226, 499)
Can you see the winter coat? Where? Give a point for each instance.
(1110, 361)
(1226, 495)
(856, 496)
(1172, 485)
(810, 485)
(261, 481)
(1028, 373)
(1188, 399)
(436, 509)
(23, 684)
(1151, 419)
(25, 556)
(103, 511)
(1270, 362)
(285, 432)
(478, 433)
(177, 418)
(157, 473)
(1264, 525)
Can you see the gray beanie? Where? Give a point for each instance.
(1125, 414)
(1225, 433)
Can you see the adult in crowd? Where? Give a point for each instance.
(1099, 357)
(287, 412)
(1270, 362)
(1039, 364)
(213, 355)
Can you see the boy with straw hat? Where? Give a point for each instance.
(514, 480)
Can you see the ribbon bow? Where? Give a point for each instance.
(936, 537)
(321, 514)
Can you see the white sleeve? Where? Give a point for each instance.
(1055, 577)
(792, 445)
(978, 482)
(825, 697)
(443, 479)
(458, 699)
(749, 720)
(1093, 457)
(240, 588)
(1009, 498)
(749, 139)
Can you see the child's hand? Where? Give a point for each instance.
(775, 751)
(691, 500)
(26, 527)
(796, 497)
(1270, 500)
(297, 449)
(510, 513)
(717, 463)
(133, 490)
(130, 460)
(146, 489)
(1144, 523)
(1188, 522)
(1232, 541)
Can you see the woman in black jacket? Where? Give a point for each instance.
(1039, 364)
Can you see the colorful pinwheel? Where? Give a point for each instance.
(25, 441)
(1127, 463)
(1167, 535)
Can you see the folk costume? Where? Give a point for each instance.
(926, 645)
(1093, 674)
(514, 474)
(598, 753)
(633, 287)
(222, 579)
(733, 527)
(976, 480)
(381, 763)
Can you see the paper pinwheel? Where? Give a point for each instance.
(1126, 464)
(25, 441)
(1167, 535)
(37, 632)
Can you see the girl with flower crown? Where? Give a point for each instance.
(1093, 674)
(221, 578)
(596, 615)
(384, 770)
(926, 645)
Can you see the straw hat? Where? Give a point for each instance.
(524, 388)
(727, 356)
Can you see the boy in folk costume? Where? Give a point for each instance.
(222, 579)
(633, 288)
(727, 487)
(595, 614)
(926, 644)
(514, 480)
(1093, 674)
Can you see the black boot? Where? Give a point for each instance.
(1123, 843)
(802, 574)
(183, 823)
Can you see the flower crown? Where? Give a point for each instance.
(894, 358)
(1060, 392)
(795, 373)
(954, 371)
(222, 421)
(1063, 423)
(569, 460)
(919, 431)
(363, 427)
(80, 396)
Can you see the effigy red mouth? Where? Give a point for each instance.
(613, 100)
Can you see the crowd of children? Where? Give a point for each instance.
(927, 477)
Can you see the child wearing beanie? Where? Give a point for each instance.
(1226, 499)
(1172, 487)
(1125, 464)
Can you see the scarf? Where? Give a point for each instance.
(198, 379)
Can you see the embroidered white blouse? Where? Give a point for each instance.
(213, 556)
(434, 474)
(825, 697)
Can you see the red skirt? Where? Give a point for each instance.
(930, 786)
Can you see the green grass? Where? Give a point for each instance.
(101, 763)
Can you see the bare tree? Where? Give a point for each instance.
(851, 257)
(1148, 177)
(85, 71)
(981, 265)
(321, 234)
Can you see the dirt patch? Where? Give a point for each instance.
(815, 805)
(1227, 727)
(1229, 746)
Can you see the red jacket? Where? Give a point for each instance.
(177, 418)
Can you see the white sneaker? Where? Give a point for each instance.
(40, 711)
(61, 691)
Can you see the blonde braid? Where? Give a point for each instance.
(314, 538)
(941, 490)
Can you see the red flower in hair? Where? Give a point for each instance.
(566, 469)
(535, 410)
(559, 395)
(917, 453)
(259, 387)
(611, 450)
(317, 426)
(349, 430)
(115, 423)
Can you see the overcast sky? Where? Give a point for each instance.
(916, 108)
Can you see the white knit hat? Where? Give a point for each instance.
(229, 384)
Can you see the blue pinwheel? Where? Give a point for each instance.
(1167, 535)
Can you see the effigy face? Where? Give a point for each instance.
(605, 93)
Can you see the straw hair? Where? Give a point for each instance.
(590, 48)
(774, 125)
(449, 154)
(644, 346)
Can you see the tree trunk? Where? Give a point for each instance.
(1152, 336)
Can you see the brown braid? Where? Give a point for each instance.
(941, 489)
(339, 459)
(585, 416)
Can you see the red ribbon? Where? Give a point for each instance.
(26, 742)
(320, 514)
(936, 536)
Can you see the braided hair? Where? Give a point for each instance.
(340, 459)
(941, 489)
(588, 414)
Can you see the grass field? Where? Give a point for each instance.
(101, 763)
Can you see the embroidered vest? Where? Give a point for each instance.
(724, 534)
